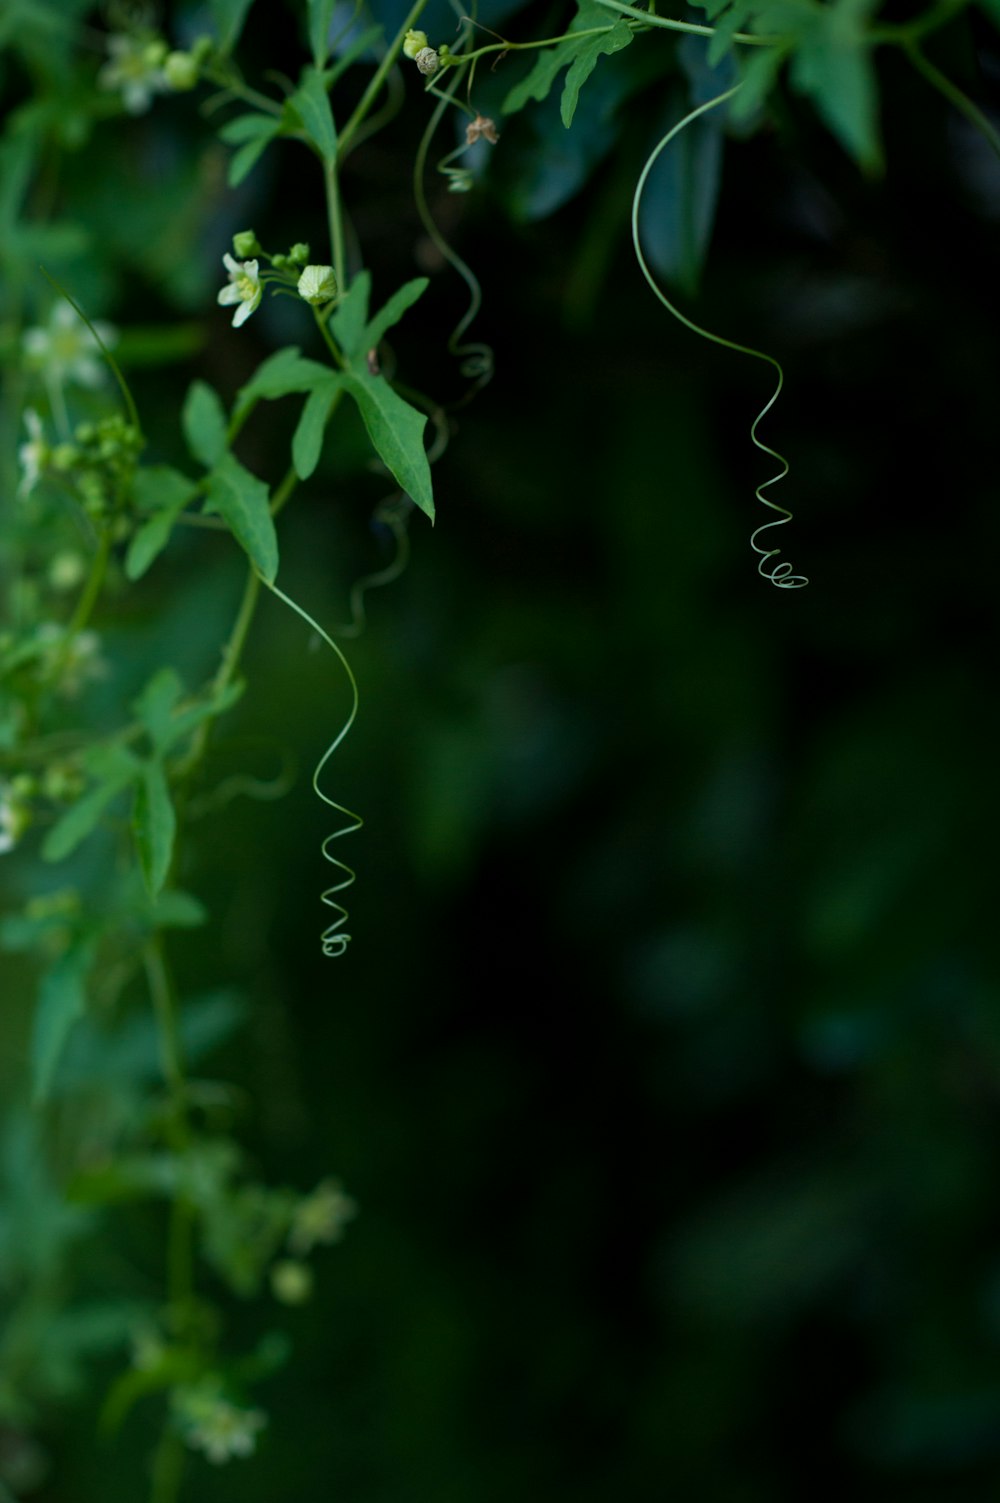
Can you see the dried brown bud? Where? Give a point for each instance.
(481, 126)
(427, 60)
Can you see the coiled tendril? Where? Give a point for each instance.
(780, 574)
(475, 358)
(334, 939)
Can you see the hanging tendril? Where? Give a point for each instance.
(782, 575)
(335, 938)
(475, 358)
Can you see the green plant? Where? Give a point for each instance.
(105, 778)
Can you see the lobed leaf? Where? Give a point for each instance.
(584, 63)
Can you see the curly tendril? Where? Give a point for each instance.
(780, 574)
(475, 359)
(334, 939)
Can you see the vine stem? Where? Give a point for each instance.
(92, 588)
(368, 97)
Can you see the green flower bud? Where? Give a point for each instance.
(291, 1282)
(181, 71)
(299, 253)
(154, 53)
(245, 245)
(64, 457)
(279, 262)
(203, 48)
(414, 42)
(317, 284)
(66, 571)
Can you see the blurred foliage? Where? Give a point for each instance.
(664, 1063)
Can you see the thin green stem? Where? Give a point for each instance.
(454, 58)
(371, 93)
(667, 24)
(335, 220)
(954, 95)
(168, 1467)
(92, 588)
(921, 26)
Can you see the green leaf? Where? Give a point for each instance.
(586, 61)
(349, 321)
(320, 21)
(760, 71)
(243, 501)
(246, 158)
(391, 312)
(397, 432)
(281, 374)
(153, 825)
(177, 909)
(229, 17)
(311, 103)
(307, 443)
(251, 127)
(62, 1001)
(155, 706)
(834, 65)
(165, 492)
(537, 83)
(113, 768)
(203, 420)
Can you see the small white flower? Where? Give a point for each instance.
(320, 1217)
(65, 350)
(33, 456)
(217, 1427)
(135, 71)
(317, 284)
(14, 817)
(244, 288)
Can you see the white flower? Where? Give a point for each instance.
(320, 1217)
(317, 284)
(244, 288)
(134, 69)
(66, 350)
(14, 817)
(217, 1427)
(33, 456)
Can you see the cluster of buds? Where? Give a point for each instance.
(315, 284)
(141, 66)
(428, 59)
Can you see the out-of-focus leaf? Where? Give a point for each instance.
(279, 375)
(678, 204)
(113, 767)
(153, 825)
(203, 420)
(229, 17)
(243, 501)
(312, 104)
(320, 22)
(62, 1000)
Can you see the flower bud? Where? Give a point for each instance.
(245, 244)
(414, 42)
(291, 1282)
(203, 48)
(181, 71)
(299, 252)
(427, 60)
(317, 284)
